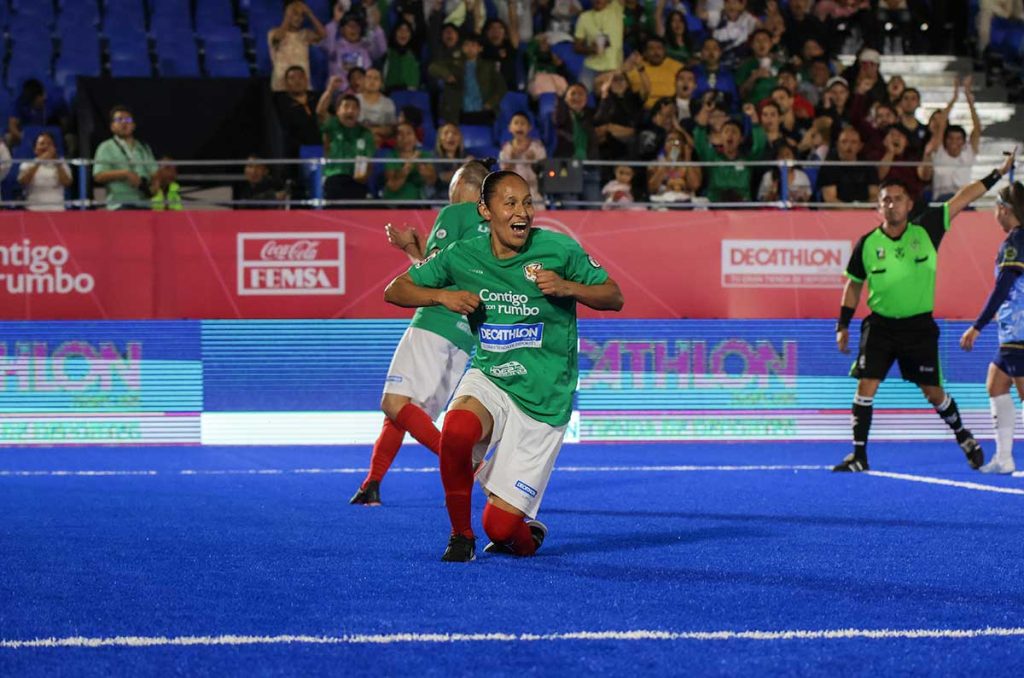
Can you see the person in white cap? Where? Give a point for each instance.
(864, 76)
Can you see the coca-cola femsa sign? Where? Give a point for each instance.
(296, 264)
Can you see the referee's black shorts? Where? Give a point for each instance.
(912, 342)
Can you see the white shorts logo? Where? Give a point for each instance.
(295, 264)
(509, 369)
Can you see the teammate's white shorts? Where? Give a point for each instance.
(523, 449)
(426, 367)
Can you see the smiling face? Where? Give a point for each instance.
(576, 98)
(510, 214)
(451, 139)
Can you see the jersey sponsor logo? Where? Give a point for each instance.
(394, 378)
(507, 303)
(509, 369)
(880, 253)
(525, 489)
(784, 263)
(293, 264)
(501, 338)
(483, 228)
(441, 234)
(531, 269)
(593, 261)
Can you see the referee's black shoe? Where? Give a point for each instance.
(460, 549)
(368, 495)
(851, 464)
(971, 448)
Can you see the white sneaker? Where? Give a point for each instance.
(999, 466)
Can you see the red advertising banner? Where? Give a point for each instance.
(335, 264)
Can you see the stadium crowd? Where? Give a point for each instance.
(531, 82)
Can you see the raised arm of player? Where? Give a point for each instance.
(408, 240)
(605, 296)
(851, 297)
(402, 291)
(974, 190)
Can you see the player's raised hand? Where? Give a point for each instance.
(400, 237)
(968, 338)
(843, 340)
(552, 284)
(1011, 158)
(459, 301)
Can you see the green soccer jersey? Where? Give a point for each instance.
(454, 223)
(526, 341)
(901, 272)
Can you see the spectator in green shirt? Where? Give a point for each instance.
(401, 67)
(756, 75)
(407, 180)
(124, 164)
(728, 183)
(345, 139)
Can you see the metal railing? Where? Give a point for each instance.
(312, 170)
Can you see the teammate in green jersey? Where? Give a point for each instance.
(519, 288)
(432, 354)
(898, 262)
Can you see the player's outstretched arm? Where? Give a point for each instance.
(974, 190)
(603, 297)
(402, 291)
(851, 297)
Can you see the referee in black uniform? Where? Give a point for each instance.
(898, 262)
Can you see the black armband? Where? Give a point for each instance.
(990, 179)
(845, 316)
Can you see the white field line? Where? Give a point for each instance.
(444, 638)
(981, 487)
(421, 469)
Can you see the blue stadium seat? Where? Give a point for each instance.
(223, 43)
(475, 136)
(176, 55)
(228, 68)
(39, 11)
(127, 66)
(317, 69)
(309, 152)
(120, 15)
(212, 15)
(573, 61)
(421, 100)
(511, 103)
(169, 16)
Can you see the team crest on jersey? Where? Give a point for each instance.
(531, 269)
(915, 245)
(1010, 254)
(900, 252)
(880, 253)
(593, 261)
(441, 234)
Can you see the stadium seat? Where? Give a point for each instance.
(228, 68)
(310, 152)
(169, 16)
(511, 103)
(223, 43)
(121, 15)
(127, 66)
(476, 136)
(573, 61)
(214, 15)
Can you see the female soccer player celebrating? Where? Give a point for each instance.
(519, 287)
(1006, 304)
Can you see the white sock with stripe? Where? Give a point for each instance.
(1004, 420)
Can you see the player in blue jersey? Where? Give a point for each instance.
(1006, 305)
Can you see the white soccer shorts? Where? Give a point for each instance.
(426, 367)
(523, 450)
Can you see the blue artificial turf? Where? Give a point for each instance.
(175, 555)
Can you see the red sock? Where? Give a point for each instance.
(417, 422)
(460, 432)
(503, 527)
(384, 451)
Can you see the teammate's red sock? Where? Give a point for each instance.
(503, 527)
(384, 451)
(417, 422)
(460, 432)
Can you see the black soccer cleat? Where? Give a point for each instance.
(538, 531)
(460, 549)
(851, 464)
(975, 455)
(368, 495)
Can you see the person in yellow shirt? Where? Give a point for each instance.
(598, 36)
(653, 75)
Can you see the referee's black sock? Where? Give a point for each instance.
(951, 415)
(862, 411)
